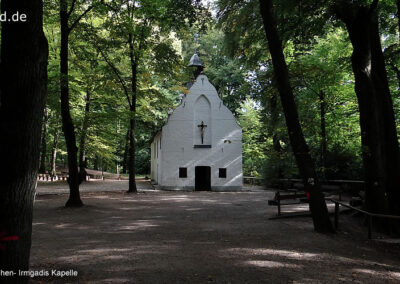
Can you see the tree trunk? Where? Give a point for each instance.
(379, 135)
(82, 154)
(397, 72)
(68, 126)
(54, 153)
(42, 167)
(276, 144)
(126, 153)
(301, 151)
(23, 87)
(324, 142)
(132, 121)
(398, 15)
(96, 163)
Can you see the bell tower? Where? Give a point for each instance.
(195, 60)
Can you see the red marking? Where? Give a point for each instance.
(10, 238)
(4, 238)
(308, 195)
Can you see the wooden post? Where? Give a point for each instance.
(369, 226)
(278, 195)
(336, 215)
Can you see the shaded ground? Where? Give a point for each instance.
(196, 237)
(59, 187)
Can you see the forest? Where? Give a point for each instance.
(315, 86)
(124, 69)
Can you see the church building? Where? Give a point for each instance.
(200, 146)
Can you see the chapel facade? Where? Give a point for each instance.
(200, 146)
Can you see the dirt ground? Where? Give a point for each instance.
(195, 237)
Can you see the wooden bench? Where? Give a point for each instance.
(298, 197)
(293, 189)
(253, 180)
(48, 177)
(327, 186)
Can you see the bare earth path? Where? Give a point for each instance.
(196, 237)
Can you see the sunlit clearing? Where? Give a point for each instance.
(380, 273)
(285, 253)
(271, 264)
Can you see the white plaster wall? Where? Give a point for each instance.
(152, 163)
(155, 158)
(178, 137)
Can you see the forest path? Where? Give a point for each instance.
(197, 237)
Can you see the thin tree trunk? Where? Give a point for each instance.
(301, 151)
(398, 15)
(381, 157)
(132, 122)
(68, 126)
(96, 163)
(42, 167)
(54, 153)
(126, 153)
(23, 87)
(82, 142)
(276, 144)
(324, 142)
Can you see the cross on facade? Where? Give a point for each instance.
(202, 129)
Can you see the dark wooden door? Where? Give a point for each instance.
(202, 178)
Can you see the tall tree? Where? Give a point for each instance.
(140, 32)
(54, 153)
(42, 167)
(134, 61)
(67, 26)
(23, 73)
(324, 142)
(398, 15)
(82, 141)
(301, 151)
(131, 95)
(381, 156)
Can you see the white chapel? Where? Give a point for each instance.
(200, 146)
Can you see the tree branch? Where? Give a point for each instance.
(71, 9)
(109, 6)
(79, 18)
(141, 39)
(115, 71)
(373, 5)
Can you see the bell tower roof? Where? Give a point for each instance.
(195, 61)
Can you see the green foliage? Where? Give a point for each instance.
(318, 53)
(254, 141)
